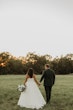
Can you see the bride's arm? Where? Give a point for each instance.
(26, 77)
(36, 79)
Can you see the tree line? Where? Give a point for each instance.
(19, 65)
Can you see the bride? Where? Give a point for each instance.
(31, 97)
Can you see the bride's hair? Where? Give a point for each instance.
(30, 72)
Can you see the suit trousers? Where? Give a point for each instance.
(48, 93)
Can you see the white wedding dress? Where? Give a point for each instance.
(31, 97)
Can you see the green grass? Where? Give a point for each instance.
(62, 93)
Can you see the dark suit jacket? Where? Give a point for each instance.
(49, 77)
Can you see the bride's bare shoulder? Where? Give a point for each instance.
(27, 76)
(34, 75)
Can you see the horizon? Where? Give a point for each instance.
(37, 54)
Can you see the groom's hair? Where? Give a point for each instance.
(47, 65)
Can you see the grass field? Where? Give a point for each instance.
(62, 93)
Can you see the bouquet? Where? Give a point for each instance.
(21, 87)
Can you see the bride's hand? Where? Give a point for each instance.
(39, 84)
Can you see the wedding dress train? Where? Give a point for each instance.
(31, 97)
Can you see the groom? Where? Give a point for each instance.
(49, 80)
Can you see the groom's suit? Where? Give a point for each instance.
(49, 80)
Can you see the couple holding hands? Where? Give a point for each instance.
(32, 96)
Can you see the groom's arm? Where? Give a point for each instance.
(42, 77)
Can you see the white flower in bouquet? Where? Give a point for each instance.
(21, 87)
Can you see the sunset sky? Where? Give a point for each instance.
(40, 26)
